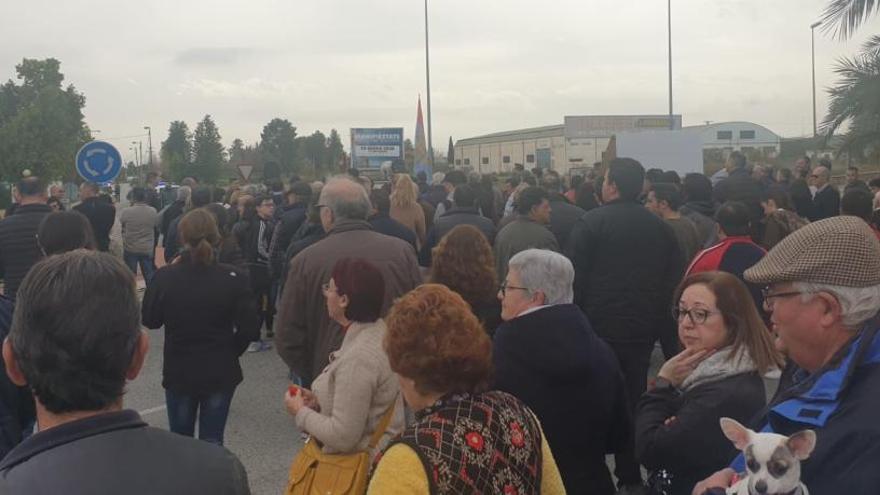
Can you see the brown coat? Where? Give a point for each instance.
(304, 334)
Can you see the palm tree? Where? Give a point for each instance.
(843, 17)
(855, 100)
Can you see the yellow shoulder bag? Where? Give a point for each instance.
(316, 473)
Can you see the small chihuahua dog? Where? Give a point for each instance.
(773, 461)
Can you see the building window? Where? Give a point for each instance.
(506, 159)
(467, 161)
(458, 162)
(724, 135)
(747, 134)
(530, 158)
(485, 160)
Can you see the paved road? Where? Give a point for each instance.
(259, 430)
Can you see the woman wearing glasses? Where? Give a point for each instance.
(727, 350)
(350, 399)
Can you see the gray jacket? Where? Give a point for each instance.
(117, 453)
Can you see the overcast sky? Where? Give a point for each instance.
(496, 65)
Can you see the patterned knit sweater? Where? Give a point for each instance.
(483, 443)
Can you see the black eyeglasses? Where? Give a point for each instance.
(504, 287)
(698, 316)
(768, 297)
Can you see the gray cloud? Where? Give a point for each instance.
(213, 56)
(495, 65)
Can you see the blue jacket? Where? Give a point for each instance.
(842, 404)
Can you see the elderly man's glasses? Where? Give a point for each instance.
(505, 287)
(769, 296)
(698, 316)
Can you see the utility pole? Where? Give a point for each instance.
(428, 77)
(149, 144)
(669, 27)
(813, 27)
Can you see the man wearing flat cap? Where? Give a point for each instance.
(823, 292)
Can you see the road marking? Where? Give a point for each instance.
(152, 410)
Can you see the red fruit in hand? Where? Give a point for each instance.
(293, 390)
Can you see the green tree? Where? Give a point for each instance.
(335, 151)
(278, 143)
(176, 151)
(236, 151)
(855, 100)
(41, 123)
(843, 17)
(208, 153)
(315, 151)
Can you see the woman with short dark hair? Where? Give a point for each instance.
(350, 398)
(464, 439)
(210, 316)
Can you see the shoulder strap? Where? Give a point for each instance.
(383, 424)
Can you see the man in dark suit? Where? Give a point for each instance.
(101, 214)
(826, 201)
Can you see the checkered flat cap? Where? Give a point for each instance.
(841, 251)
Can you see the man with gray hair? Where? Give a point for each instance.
(304, 333)
(823, 293)
(547, 355)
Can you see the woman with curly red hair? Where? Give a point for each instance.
(463, 261)
(464, 439)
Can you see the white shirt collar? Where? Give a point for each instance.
(532, 310)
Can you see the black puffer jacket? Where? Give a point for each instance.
(19, 249)
(627, 263)
(692, 446)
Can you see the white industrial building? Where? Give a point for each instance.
(581, 141)
(719, 139)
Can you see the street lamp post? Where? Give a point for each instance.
(428, 78)
(149, 144)
(669, 32)
(813, 27)
(134, 149)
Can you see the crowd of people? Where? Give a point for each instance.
(457, 335)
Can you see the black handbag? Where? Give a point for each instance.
(660, 482)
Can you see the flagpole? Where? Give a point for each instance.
(428, 77)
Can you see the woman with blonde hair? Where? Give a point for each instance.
(210, 316)
(727, 350)
(405, 207)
